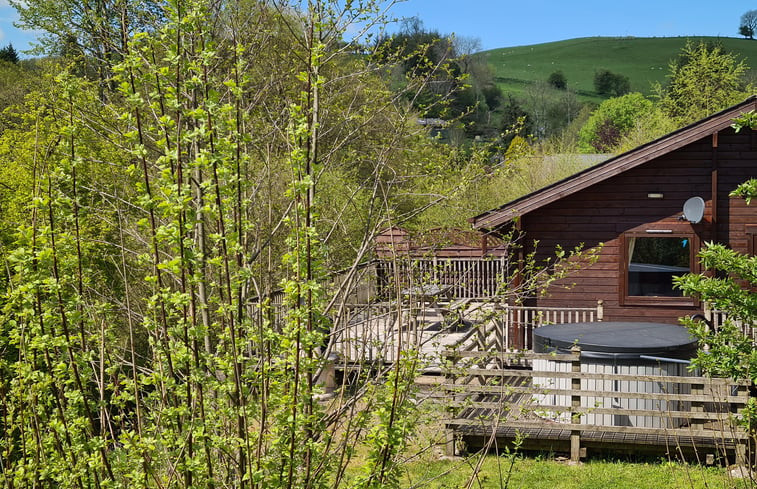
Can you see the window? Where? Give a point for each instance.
(651, 262)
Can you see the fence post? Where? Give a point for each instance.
(450, 359)
(698, 406)
(741, 445)
(600, 310)
(500, 322)
(506, 325)
(575, 403)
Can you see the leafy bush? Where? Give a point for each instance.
(609, 83)
(558, 80)
(613, 119)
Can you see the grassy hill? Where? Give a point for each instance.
(642, 60)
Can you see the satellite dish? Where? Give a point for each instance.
(693, 210)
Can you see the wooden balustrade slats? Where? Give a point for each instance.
(491, 391)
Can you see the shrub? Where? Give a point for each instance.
(609, 83)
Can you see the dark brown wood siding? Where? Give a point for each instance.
(605, 211)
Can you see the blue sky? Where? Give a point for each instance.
(504, 23)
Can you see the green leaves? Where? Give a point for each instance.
(703, 80)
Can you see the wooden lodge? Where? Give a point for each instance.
(648, 211)
(632, 205)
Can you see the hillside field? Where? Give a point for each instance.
(643, 60)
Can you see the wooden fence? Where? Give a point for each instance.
(376, 332)
(566, 400)
(510, 327)
(716, 319)
(464, 277)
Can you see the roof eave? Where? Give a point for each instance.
(612, 167)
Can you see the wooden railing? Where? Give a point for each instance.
(376, 332)
(508, 327)
(465, 277)
(369, 333)
(717, 318)
(491, 392)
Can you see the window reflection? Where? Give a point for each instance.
(653, 262)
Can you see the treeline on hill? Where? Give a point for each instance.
(548, 113)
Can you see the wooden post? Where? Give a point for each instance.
(575, 403)
(450, 378)
(327, 377)
(741, 446)
(500, 323)
(600, 310)
(697, 407)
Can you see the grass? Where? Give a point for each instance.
(542, 472)
(427, 468)
(643, 60)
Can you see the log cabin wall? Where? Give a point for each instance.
(622, 207)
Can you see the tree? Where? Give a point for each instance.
(458, 85)
(557, 79)
(613, 119)
(549, 109)
(748, 24)
(9, 54)
(703, 80)
(609, 83)
(91, 33)
(134, 348)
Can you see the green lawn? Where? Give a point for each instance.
(426, 467)
(546, 473)
(642, 60)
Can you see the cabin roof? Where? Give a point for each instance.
(612, 167)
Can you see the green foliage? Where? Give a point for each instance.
(149, 218)
(514, 116)
(748, 23)
(557, 79)
(730, 289)
(613, 119)
(704, 79)
(746, 119)
(16, 81)
(746, 190)
(455, 86)
(90, 33)
(609, 83)
(730, 352)
(395, 421)
(9, 54)
(549, 109)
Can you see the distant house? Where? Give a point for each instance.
(633, 204)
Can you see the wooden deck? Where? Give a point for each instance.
(493, 396)
(496, 388)
(376, 332)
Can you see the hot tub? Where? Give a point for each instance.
(628, 348)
